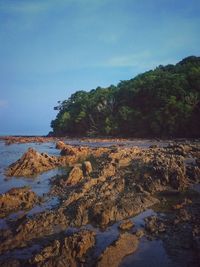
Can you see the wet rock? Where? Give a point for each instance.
(154, 225)
(69, 150)
(16, 199)
(193, 173)
(112, 256)
(87, 167)
(31, 163)
(60, 145)
(9, 140)
(105, 197)
(184, 203)
(126, 225)
(156, 170)
(182, 216)
(139, 233)
(119, 208)
(41, 225)
(75, 176)
(69, 251)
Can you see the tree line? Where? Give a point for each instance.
(164, 102)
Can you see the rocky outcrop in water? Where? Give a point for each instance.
(31, 163)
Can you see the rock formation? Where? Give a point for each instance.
(112, 256)
(31, 163)
(16, 199)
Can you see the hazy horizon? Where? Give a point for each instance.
(50, 49)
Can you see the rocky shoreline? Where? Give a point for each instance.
(101, 187)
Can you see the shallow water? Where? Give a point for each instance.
(149, 254)
(11, 153)
(49, 204)
(21, 254)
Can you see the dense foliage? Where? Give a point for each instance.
(164, 102)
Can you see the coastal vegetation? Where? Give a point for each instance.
(164, 102)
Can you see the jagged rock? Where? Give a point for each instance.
(60, 145)
(70, 251)
(37, 227)
(139, 233)
(15, 199)
(193, 173)
(154, 225)
(75, 176)
(31, 163)
(87, 167)
(112, 256)
(68, 150)
(182, 216)
(156, 171)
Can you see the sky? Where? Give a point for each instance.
(50, 49)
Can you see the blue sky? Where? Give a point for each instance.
(52, 48)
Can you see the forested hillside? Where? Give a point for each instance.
(164, 102)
